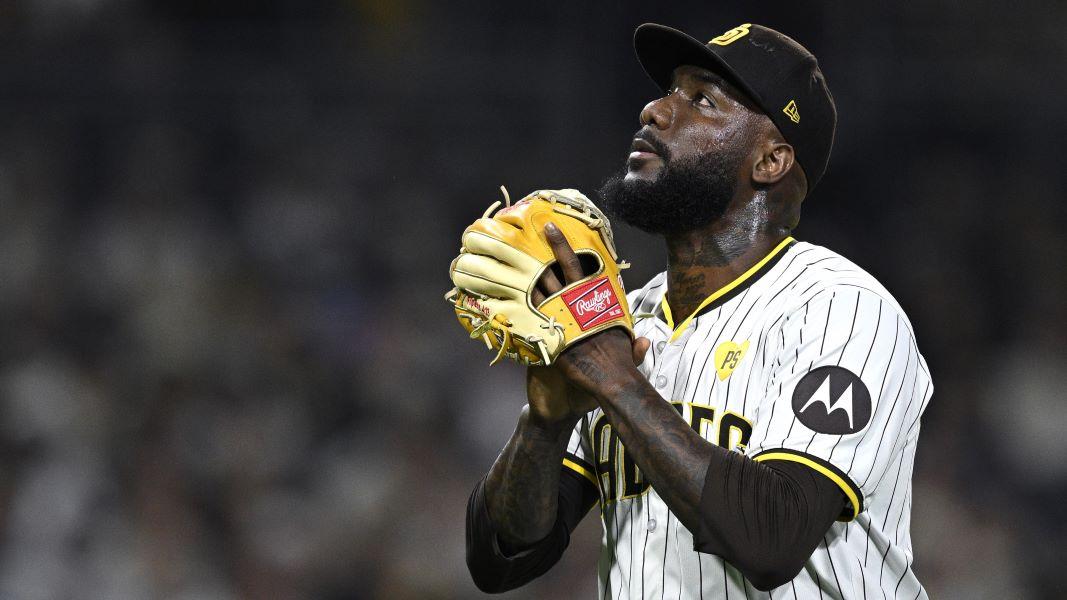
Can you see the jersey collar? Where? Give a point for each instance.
(728, 291)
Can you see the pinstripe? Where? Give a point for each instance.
(851, 330)
(877, 326)
(725, 580)
(881, 438)
(630, 574)
(926, 398)
(903, 505)
(863, 578)
(793, 419)
(666, 545)
(748, 387)
(911, 396)
(644, 548)
(776, 294)
(800, 334)
(820, 260)
(644, 296)
(826, 546)
(611, 548)
(700, 571)
(893, 494)
(822, 347)
(618, 538)
(808, 289)
(885, 378)
(881, 569)
(677, 545)
(867, 547)
(826, 327)
(652, 349)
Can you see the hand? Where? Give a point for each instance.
(554, 401)
(594, 365)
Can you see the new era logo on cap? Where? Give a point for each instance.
(791, 111)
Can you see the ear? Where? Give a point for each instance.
(774, 162)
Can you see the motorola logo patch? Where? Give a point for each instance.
(832, 400)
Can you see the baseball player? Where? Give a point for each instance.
(757, 438)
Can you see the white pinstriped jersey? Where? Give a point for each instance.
(805, 358)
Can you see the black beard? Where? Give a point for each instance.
(687, 194)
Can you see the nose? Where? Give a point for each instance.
(658, 113)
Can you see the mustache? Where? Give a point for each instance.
(661, 149)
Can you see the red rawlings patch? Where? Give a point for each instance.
(593, 303)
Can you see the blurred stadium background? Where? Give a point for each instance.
(227, 371)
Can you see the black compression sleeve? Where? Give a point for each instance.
(495, 570)
(765, 518)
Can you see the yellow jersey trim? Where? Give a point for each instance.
(720, 292)
(581, 471)
(667, 314)
(845, 486)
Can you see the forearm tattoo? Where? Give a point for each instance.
(671, 455)
(522, 488)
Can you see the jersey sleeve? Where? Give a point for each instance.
(844, 392)
(578, 459)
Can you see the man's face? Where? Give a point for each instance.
(685, 162)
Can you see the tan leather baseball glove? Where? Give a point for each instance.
(504, 256)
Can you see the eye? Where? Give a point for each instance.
(703, 100)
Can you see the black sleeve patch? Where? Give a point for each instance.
(832, 400)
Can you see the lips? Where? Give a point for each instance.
(642, 153)
(641, 145)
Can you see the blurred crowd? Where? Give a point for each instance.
(227, 369)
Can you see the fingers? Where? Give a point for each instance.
(477, 242)
(641, 346)
(565, 256)
(549, 283)
(486, 275)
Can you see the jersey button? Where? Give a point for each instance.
(651, 524)
(661, 381)
(660, 346)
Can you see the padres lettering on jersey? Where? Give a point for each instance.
(804, 358)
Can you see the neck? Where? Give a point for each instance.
(706, 259)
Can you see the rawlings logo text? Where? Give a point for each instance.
(598, 303)
(593, 303)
